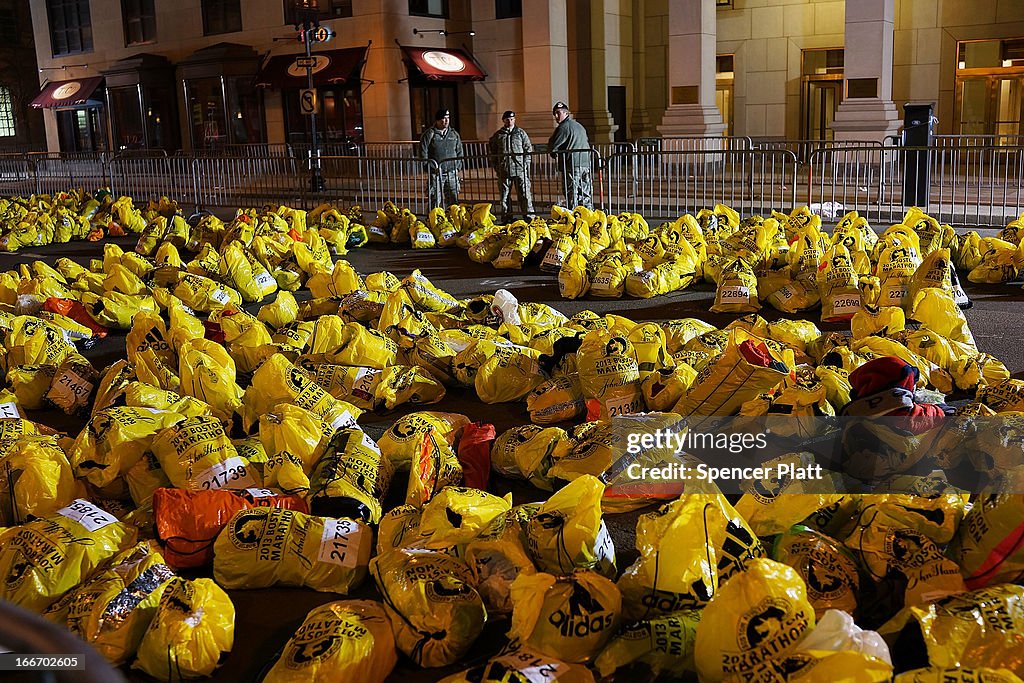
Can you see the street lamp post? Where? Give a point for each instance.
(309, 11)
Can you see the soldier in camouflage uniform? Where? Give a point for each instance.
(442, 142)
(575, 166)
(510, 149)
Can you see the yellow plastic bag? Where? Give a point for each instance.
(31, 341)
(114, 440)
(279, 381)
(760, 614)
(568, 531)
(113, 609)
(434, 609)
(559, 399)
(837, 286)
(956, 674)
(37, 479)
(352, 478)
(737, 289)
(662, 645)
(747, 367)
(208, 373)
(191, 633)
(571, 617)
(609, 373)
(263, 547)
(402, 442)
(573, 280)
(527, 452)
(827, 568)
(43, 559)
(346, 639)
(508, 374)
(970, 630)
(703, 537)
(197, 455)
(282, 311)
(896, 266)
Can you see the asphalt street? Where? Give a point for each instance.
(266, 618)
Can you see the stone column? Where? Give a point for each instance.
(867, 112)
(545, 65)
(588, 54)
(692, 37)
(640, 124)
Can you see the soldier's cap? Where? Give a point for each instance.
(441, 113)
(560, 105)
(508, 114)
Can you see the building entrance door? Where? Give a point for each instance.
(821, 97)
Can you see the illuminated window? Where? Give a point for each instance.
(6, 113)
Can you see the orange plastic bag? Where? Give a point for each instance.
(188, 522)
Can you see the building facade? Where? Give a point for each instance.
(203, 74)
(21, 125)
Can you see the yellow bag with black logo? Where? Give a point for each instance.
(37, 479)
(31, 341)
(43, 559)
(897, 264)
(737, 289)
(508, 374)
(342, 640)
(571, 617)
(435, 611)
(837, 286)
(113, 609)
(527, 452)
(757, 616)
(747, 367)
(559, 399)
(402, 442)
(970, 630)
(280, 312)
(191, 633)
(208, 373)
(352, 477)
(262, 547)
(196, 455)
(568, 531)
(114, 440)
(660, 645)
(573, 278)
(609, 373)
(278, 380)
(702, 537)
(827, 568)
(294, 440)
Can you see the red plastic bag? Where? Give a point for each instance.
(77, 312)
(188, 522)
(475, 454)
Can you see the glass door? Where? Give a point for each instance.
(1007, 105)
(821, 98)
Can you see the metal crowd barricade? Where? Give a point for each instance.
(243, 181)
(480, 181)
(17, 176)
(60, 171)
(371, 181)
(666, 184)
(969, 186)
(154, 177)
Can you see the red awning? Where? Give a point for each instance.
(444, 64)
(67, 93)
(330, 66)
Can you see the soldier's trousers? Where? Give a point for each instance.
(523, 192)
(448, 186)
(579, 188)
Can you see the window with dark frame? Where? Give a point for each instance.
(329, 9)
(9, 33)
(508, 9)
(139, 18)
(7, 128)
(429, 8)
(70, 26)
(221, 16)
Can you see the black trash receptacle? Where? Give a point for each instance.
(917, 136)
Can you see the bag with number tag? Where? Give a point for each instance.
(737, 289)
(188, 522)
(568, 531)
(609, 373)
(837, 286)
(197, 455)
(73, 384)
(114, 440)
(43, 559)
(263, 547)
(897, 264)
(278, 380)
